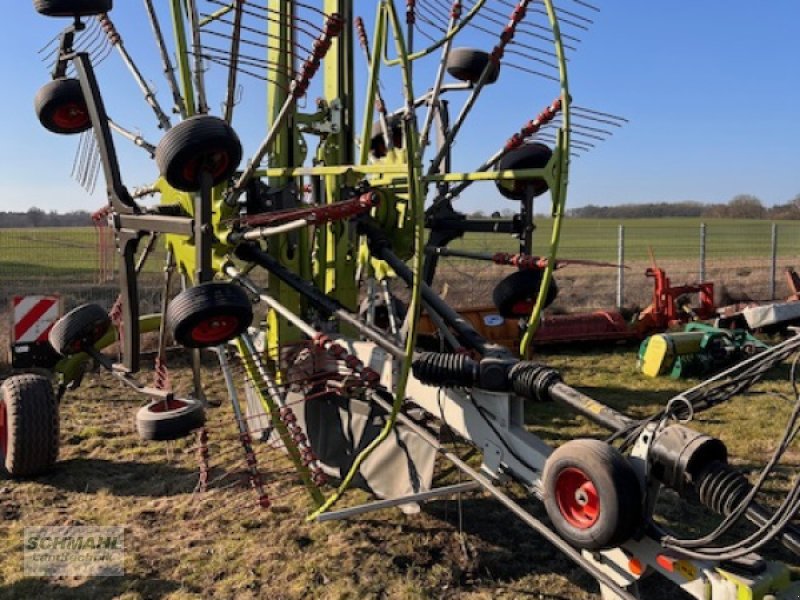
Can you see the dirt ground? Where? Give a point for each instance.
(181, 544)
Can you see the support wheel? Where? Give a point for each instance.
(196, 145)
(61, 107)
(529, 156)
(171, 419)
(72, 8)
(467, 64)
(28, 425)
(515, 295)
(591, 494)
(209, 314)
(80, 328)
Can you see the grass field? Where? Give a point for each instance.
(670, 239)
(69, 252)
(215, 545)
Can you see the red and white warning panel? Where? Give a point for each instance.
(32, 319)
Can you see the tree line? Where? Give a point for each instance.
(743, 206)
(36, 217)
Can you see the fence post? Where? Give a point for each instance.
(773, 283)
(621, 267)
(703, 239)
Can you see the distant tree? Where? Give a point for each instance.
(36, 216)
(746, 206)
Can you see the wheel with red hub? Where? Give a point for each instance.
(592, 494)
(209, 314)
(200, 144)
(29, 425)
(515, 295)
(72, 8)
(80, 328)
(169, 419)
(61, 107)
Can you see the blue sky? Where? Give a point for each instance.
(711, 90)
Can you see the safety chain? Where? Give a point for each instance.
(254, 475)
(508, 32)
(300, 439)
(547, 115)
(333, 27)
(318, 214)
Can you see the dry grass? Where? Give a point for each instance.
(184, 545)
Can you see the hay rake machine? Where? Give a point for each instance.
(332, 375)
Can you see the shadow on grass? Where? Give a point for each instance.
(120, 478)
(99, 588)
(509, 551)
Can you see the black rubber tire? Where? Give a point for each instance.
(467, 64)
(72, 8)
(382, 321)
(209, 314)
(61, 107)
(515, 295)
(614, 485)
(80, 328)
(378, 144)
(177, 419)
(528, 156)
(31, 425)
(199, 143)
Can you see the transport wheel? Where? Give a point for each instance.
(209, 314)
(171, 419)
(28, 425)
(80, 328)
(591, 494)
(72, 8)
(61, 107)
(382, 318)
(200, 143)
(467, 64)
(378, 142)
(529, 156)
(515, 295)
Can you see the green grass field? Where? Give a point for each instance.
(670, 239)
(67, 253)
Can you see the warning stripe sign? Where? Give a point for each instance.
(34, 316)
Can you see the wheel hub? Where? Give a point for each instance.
(71, 116)
(577, 498)
(215, 330)
(214, 162)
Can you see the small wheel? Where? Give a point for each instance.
(61, 107)
(378, 143)
(209, 314)
(80, 328)
(163, 420)
(29, 425)
(200, 143)
(529, 156)
(381, 311)
(515, 295)
(592, 494)
(72, 8)
(467, 64)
